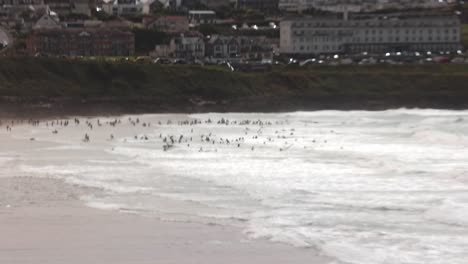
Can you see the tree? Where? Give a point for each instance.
(147, 39)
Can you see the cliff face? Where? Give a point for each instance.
(46, 85)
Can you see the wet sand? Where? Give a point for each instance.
(41, 221)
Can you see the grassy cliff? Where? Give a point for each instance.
(153, 88)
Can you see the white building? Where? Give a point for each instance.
(327, 5)
(199, 17)
(322, 35)
(294, 5)
(187, 47)
(357, 5)
(127, 7)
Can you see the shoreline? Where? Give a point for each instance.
(40, 222)
(44, 108)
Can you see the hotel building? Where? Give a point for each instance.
(375, 35)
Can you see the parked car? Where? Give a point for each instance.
(441, 59)
(346, 61)
(162, 61)
(180, 61)
(458, 60)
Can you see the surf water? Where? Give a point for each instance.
(362, 187)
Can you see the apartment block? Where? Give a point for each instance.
(332, 35)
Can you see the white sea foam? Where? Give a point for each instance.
(66, 147)
(104, 206)
(450, 212)
(364, 187)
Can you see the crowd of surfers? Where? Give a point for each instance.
(251, 132)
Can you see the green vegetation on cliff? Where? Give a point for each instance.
(179, 87)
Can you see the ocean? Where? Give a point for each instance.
(361, 187)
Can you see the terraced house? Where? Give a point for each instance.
(189, 47)
(222, 47)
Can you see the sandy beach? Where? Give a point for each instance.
(42, 221)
